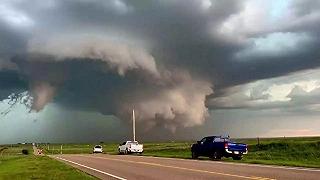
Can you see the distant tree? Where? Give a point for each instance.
(25, 151)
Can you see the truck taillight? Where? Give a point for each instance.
(226, 145)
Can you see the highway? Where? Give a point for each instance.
(141, 167)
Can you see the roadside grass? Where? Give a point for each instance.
(303, 152)
(293, 151)
(172, 150)
(14, 165)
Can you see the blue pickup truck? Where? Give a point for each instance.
(217, 147)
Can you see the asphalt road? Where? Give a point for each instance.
(142, 167)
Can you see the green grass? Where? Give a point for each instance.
(285, 151)
(295, 151)
(14, 165)
(37, 167)
(173, 149)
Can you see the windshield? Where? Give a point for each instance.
(98, 147)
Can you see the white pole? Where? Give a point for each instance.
(61, 149)
(134, 125)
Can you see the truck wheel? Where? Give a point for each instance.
(216, 155)
(237, 157)
(119, 151)
(126, 151)
(194, 155)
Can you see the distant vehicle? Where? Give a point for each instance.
(128, 147)
(39, 151)
(217, 147)
(97, 149)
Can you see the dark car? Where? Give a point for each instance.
(217, 147)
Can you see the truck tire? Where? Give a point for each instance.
(216, 155)
(119, 151)
(126, 151)
(194, 155)
(237, 157)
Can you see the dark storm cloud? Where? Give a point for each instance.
(162, 57)
(11, 82)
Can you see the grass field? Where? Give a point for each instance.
(299, 151)
(15, 165)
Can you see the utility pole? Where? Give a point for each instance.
(133, 125)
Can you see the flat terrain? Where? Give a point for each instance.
(301, 151)
(140, 167)
(15, 165)
(304, 152)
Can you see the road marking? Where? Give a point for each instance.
(182, 168)
(238, 164)
(117, 177)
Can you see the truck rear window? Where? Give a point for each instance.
(221, 140)
(135, 143)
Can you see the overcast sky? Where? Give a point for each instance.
(190, 68)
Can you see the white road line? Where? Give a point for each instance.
(117, 177)
(238, 164)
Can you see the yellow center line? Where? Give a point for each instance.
(182, 168)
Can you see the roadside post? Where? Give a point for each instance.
(134, 125)
(61, 149)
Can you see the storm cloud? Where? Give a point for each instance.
(173, 61)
